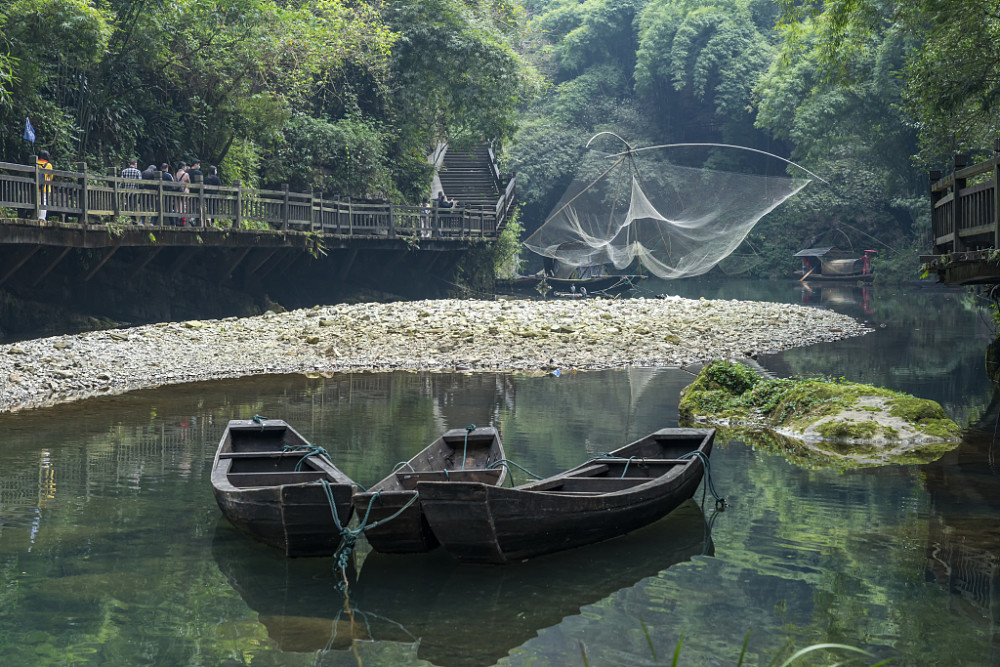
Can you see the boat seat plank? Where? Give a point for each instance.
(408, 479)
(643, 461)
(601, 484)
(261, 455)
(591, 485)
(552, 482)
(243, 479)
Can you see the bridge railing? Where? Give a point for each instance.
(964, 207)
(91, 198)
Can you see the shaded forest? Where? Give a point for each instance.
(349, 97)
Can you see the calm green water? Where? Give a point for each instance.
(112, 551)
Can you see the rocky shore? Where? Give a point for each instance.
(422, 335)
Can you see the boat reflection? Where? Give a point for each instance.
(449, 613)
(856, 299)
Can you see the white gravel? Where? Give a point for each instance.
(428, 335)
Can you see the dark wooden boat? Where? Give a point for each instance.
(268, 482)
(600, 499)
(460, 455)
(565, 285)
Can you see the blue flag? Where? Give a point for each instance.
(29, 132)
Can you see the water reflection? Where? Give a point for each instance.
(108, 528)
(453, 614)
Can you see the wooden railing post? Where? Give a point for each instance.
(84, 201)
(238, 221)
(160, 203)
(199, 181)
(38, 189)
(113, 173)
(996, 194)
(392, 223)
(959, 163)
(284, 207)
(313, 215)
(350, 217)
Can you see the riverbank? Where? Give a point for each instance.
(444, 335)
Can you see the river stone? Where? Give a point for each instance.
(516, 336)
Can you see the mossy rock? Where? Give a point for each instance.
(825, 454)
(857, 421)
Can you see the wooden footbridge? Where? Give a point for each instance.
(233, 228)
(965, 223)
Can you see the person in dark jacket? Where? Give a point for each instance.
(195, 176)
(169, 204)
(212, 179)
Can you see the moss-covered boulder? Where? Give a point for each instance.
(861, 422)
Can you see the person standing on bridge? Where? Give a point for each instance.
(44, 191)
(132, 172)
(169, 204)
(443, 201)
(181, 176)
(425, 218)
(212, 179)
(194, 173)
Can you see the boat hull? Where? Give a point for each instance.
(480, 523)
(565, 285)
(392, 512)
(278, 497)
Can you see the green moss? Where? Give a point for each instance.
(732, 378)
(736, 389)
(915, 410)
(726, 392)
(945, 429)
(834, 430)
(826, 454)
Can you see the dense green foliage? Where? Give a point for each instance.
(849, 89)
(347, 97)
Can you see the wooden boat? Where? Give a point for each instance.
(602, 498)
(502, 608)
(268, 482)
(614, 282)
(460, 455)
(829, 263)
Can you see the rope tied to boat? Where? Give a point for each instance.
(507, 463)
(257, 419)
(627, 460)
(720, 502)
(349, 536)
(468, 429)
(311, 450)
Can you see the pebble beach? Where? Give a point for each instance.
(444, 335)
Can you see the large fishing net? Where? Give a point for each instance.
(676, 221)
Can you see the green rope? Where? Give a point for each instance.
(349, 536)
(257, 419)
(312, 450)
(507, 463)
(627, 463)
(720, 502)
(468, 429)
(399, 466)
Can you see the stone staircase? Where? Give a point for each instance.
(470, 177)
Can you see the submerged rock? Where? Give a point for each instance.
(838, 422)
